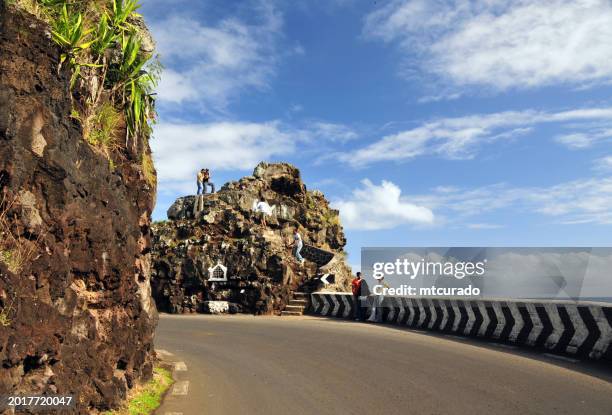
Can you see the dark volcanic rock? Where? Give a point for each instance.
(222, 228)
(76, 316)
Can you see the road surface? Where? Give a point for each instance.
(313, 365)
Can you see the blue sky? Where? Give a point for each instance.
(427, 123)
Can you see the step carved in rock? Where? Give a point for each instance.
(297, 305)
(290, 313)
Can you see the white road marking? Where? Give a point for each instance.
(180, 366)
(564, 358)
(173, 413)
(163, 352)
(181, 388)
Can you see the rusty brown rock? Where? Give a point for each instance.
(78, 316)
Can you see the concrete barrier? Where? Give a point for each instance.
(582, 329)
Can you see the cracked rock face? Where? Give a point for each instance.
(222, 230)
(76, 314)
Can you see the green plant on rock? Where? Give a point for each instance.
(122, 10)
(135, 85)
(105, 37)
(74, 113)
(101, 36)
(132, 61)
(104, 127)
(69, 32)
(140, 107)
(144, 399)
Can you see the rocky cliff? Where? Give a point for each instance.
(217, 236)
(76, 315)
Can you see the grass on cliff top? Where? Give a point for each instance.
(144, 399)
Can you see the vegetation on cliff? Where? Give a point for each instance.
(113, 71)
(145, 399)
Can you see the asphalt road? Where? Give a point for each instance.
(310, 365)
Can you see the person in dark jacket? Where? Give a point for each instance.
(356, 287)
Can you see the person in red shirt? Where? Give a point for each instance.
(356, 286)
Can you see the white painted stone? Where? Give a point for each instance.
(181, 388)
(180, 367)
(218, 307)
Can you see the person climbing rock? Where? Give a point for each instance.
(356, 288)
(203, 180)
(298, 244)
(262, 209)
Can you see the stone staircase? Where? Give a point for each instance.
(297, 305)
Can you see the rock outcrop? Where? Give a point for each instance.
(76, 314)
(219, 235)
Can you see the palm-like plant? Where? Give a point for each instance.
(126, 78)
(132, 60)
(135, 84)
(140, 105)
(105, 36)
(70, 34)
(121, 11)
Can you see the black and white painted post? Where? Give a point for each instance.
(582, 329)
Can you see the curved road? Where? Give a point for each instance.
(312, 365)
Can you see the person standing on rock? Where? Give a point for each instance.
(203, 180)
(356, 288)
(200, 181)
(298, 244)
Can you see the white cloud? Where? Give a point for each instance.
(383, 206)
(501, 43)
(604, 163)
(575, 141)
(181, 148)
(460, 138)
(176, 88)
(211, 64)
(581, 140)
(578, 201)
(299, 50)
(380, 207)
(484, 226)
(332, 131)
